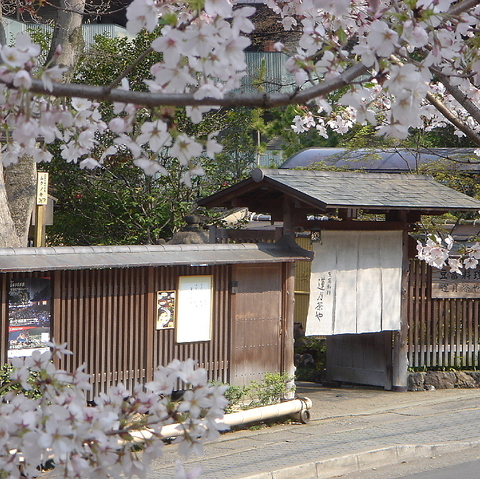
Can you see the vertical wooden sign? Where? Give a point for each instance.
(42, 199)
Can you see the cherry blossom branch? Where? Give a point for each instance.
(442, 109)
(459, 95)
(262, 100)
(453, 119)
(203, 63)
(85, 440)
(129, 68)
(462, 7)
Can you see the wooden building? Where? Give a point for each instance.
(123, 310)
(359, 225)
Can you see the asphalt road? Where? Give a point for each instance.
(457, 465)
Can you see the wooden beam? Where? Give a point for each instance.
(353, 225)
(254, 205)
(397, 215)
(287, 337)
(288, 209)
(413, 216)
(225, 197)
(400, 343)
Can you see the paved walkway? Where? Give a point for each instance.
(350, 429)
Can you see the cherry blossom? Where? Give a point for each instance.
(381, 39)
(155, 134)
(403, 47)
(142, 14)
(397, 64)
(185, 148)
(438, 252)
(95, 441)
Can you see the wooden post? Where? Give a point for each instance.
(288, 365)
(40, 209)
(151, 319)
(287, 217)
(400, 349)
(212, 234)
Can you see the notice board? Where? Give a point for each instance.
(448, 284)
(29, 302)
(194, 309)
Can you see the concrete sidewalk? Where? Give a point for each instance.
(350, 429)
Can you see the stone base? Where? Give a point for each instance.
(431, 380)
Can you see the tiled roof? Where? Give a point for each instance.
(368, 190)
(100, 257)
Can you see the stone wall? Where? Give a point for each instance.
(431, 380)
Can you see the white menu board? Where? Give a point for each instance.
(194, 309)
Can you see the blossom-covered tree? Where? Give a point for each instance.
(45, 419)
(18, 180)
(397, 65)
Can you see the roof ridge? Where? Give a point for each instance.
(262, 172)
(167, 248)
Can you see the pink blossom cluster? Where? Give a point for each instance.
(29, 122)
(437, 252)
(406, 47)
(203, 54)
(392, 61)
(96, 441)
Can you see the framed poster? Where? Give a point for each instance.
(165, 309)
(194, 308)
(29, 303)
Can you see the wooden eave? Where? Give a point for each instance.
(130, 256)
(267, 192)
(269, 197)
(270, 191)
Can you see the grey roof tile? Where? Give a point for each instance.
(372, 190)
(100, 257)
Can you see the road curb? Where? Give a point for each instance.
(337, 466)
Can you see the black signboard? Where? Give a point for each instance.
(29, 302)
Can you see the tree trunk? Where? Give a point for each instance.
(20, 186)
(18, 182)
(8, 234)
(8, 230)
(68, 34)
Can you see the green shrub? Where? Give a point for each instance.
(271, 390)
(315, 349)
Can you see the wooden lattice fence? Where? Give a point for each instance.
(443, 332)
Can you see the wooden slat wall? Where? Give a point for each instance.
(212, 355)
(103, 316)
(256, 329)
(442, 332)
(4, 280)
(107, 317)
(302, 268)
(302, 283)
